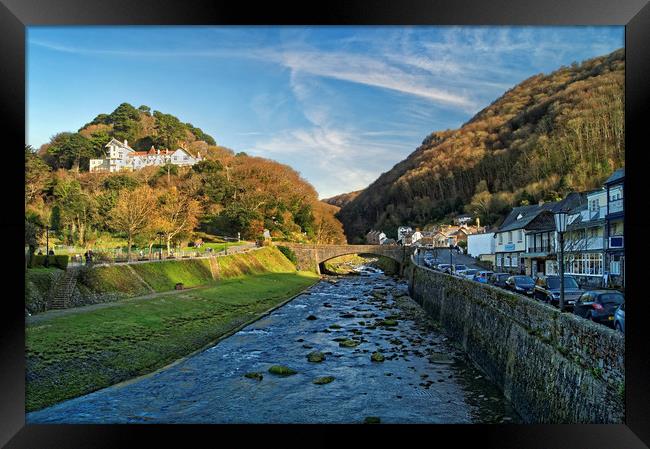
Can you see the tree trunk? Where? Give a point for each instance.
(169, 244)
(128, 249)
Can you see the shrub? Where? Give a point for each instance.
(60, 261)
(289, 254)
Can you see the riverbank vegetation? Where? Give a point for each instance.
(75, 354)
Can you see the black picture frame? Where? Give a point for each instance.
(15, 15)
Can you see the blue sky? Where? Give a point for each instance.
(339, 104)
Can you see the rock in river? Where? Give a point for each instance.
(282, 370)
(316, 357)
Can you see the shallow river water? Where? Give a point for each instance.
(423, 378)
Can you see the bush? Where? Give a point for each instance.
(53, 261)
(289, 254)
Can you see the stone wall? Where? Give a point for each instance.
(554, 367)
(310, 256)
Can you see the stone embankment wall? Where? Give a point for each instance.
(554, 367)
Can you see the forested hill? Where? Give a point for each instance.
(548, 135)
(342, 199)
(141, 127)
(225, 194)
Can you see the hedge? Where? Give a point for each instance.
(60, 261)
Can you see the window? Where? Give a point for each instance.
(509, 236)
(499, 260)
(590, 264)
(520, 236)
(514, 260)
(500, 239)
(507, 261)
(593, 205)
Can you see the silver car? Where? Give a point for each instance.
(619, 318)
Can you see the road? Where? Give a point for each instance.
(444, 255)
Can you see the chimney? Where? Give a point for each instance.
(540, 202)
(126, 142)
(478, 223)
(158, 151)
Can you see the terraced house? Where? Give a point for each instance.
(120, 156)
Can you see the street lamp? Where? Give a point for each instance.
(560, 227)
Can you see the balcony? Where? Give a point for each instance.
(615, 206)
(584, 244)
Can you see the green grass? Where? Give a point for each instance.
(71, 355)
(163, 276)
(113, 278)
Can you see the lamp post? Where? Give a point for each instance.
(560, 227)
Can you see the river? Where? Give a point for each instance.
(423, 378)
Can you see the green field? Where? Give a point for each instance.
(75, 354)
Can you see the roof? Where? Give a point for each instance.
(529, 213)
(118, 143)
(617, 176)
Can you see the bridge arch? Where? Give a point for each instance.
(311, 256)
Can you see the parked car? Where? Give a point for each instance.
(444, 267)
(482, 276)
(499, 279)
(458, 267)
(468, 273)
(599, 305)
(521, 284)
(619, 318)
(547, 289)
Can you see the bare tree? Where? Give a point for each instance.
(133, 213)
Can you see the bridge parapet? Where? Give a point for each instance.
(310, 256)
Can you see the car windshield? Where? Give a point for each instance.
(524, 280)
(503, 276)
(569, 282)
(611, 298)
(470, 271)
(461, 267)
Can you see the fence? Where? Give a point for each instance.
(117, 256)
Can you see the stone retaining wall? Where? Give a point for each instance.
(554, 367)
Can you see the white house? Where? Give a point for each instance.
(401, 233)
(120, 156)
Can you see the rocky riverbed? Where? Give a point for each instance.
(351, 349)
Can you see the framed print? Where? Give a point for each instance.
(425, 216)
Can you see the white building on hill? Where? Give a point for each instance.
(120, 156)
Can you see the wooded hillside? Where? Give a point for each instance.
(224, 194)
(548, 135)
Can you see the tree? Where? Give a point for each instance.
(133, 213)
(71, 151)
(170, 130)
(178, 214)
(37, 175)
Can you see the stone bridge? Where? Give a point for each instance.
(311, 256)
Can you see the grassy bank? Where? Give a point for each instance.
(75, 354)
(113, 282)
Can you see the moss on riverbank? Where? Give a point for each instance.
(75, 354)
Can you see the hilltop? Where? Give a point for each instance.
(226, 193)
(546, 136)
(141, 127)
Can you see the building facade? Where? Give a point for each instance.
(584, 241)
(375, 237)
(120, 156)
(614, 229)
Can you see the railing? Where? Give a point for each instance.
(616, 206)
(116, 257)
(589, 243)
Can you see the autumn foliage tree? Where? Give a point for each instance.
(134, 212)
